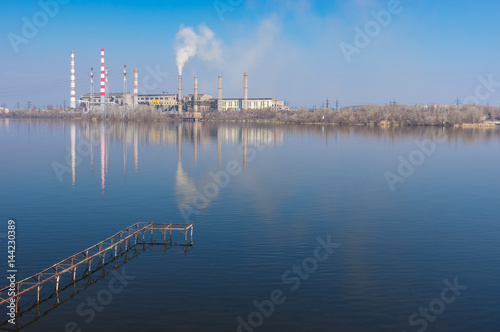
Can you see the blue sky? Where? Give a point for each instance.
(429, 52)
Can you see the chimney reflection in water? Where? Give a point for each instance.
(195, 142)
(244, 138)
(136, 151)
(103, 156)
(219, 144)
(73, 153)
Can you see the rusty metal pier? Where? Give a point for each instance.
(99, 252)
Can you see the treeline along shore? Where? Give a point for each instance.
(369, 115)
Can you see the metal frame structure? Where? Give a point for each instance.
(53, 300)
(85, 257)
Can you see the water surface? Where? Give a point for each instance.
(289, 187)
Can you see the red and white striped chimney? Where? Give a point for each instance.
(103, 87)
(136, 87)
(106, 81)
(72, 102)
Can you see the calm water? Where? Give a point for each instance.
(257, 230)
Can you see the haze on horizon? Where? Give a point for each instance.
(423, 52)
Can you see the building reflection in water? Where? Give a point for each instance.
(227, 136)
(5, 123)
(199, 135)
(204, 136)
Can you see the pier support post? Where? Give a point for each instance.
(57, 283)
(17, 299)
(38, 290)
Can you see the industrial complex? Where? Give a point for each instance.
(196, 102)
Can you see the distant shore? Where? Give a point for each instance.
(467, 116)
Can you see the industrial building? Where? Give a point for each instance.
(110, 98)
(167, 102)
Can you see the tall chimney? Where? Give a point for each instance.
(72, 103)
(91, 88)
(124, 85)
(103, 87)
(219, 97)
(245, 93)
(179, 97)
(195, 98)
(136, 87)
(107, 90)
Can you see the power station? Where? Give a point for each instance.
(196, 102)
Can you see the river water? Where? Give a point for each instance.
(296, 228)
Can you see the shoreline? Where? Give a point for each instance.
(370, 116)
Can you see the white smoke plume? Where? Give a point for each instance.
(190, 44)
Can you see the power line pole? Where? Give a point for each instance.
(392, 104)
(458, 102)
(29, 105)
(337, 105)
(18, 105)
(327, 103)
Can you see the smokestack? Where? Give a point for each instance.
(136, 87)
(245, 93)
(219, 97)
(107, 81)
(72, 103)
(195, 98)
(124, 85)
(179, 98)
(103, 87)
(91, 88)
